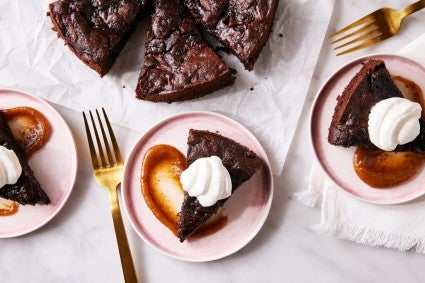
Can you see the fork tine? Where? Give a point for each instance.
(368, 36)
(364, 20)
(99, 145)
(363, 45)
(118, 157)
(93, 155)
(105, 139)
(367, 28)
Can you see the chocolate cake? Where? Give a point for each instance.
(26, 190)
(243, 26)
(240, 161)
(95, 30)
(349, 126)
(179, 64)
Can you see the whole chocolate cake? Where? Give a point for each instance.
(349, 126)
(240, 161)
(179, 64)
(27, 189)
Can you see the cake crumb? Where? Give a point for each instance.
(280, 35)
(252, 88)
(123, 86)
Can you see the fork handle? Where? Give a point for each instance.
(123, 246)
(413, 8)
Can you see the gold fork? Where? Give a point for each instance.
(108, 173)
(373, 28)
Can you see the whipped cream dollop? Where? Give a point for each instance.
(394, 121)
(10, 168)
(207, 180)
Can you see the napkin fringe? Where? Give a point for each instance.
(372, 237)
(313, 195)
(309, 198)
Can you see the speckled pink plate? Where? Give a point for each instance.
(337, 161)
(246, 210)
(54, 165)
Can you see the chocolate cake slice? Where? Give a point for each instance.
(240, 161)
(349, 125)
(179, 64)
(243, 26)
(95, 30)
(26, 190)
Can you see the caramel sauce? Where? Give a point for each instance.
(32, 130)
(214, 224)
(163, 192)
(29, 127)
(8, 207)
(161, 169)
(381, 169)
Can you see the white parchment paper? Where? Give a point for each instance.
(268, 100)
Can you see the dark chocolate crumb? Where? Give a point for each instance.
(252, 88)
(280, 35)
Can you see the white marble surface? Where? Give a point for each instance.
(78, 245)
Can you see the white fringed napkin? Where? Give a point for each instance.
(398, 226)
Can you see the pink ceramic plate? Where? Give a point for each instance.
(337, 161)
(246, 210)
(54, 165)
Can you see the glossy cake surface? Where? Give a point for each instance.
(243, 26)
(95, 31)
(179, 64)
